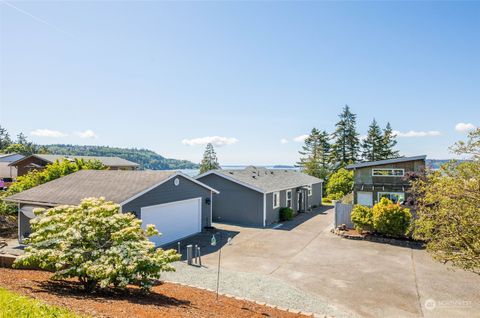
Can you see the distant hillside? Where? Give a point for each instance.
(146, 158)
(436, 163)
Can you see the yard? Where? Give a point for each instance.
(166, 300)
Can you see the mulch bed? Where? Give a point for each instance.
(165, 300)
(353, 234)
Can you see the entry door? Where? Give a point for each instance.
(175, 220)
(365, 198)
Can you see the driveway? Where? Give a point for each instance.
(359, 277)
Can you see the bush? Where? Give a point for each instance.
(286, 214)
(362, 218)
(96, 244)
(339, 184)
(391, 219)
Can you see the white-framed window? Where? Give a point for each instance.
(388, 172)
(288, 198)
(309, 190)
(395, 197)
(276, 199)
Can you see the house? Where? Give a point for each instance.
(384, 178)
(39, 161)
(178, 205)
(254, 196)
(7, 171)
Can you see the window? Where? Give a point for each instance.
(309, 190)
(395, 197)
(289, 198)
(388, 172)
(276, 199)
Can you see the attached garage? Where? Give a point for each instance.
(176, 220)
(176, 204)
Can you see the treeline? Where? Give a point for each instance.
(19, 145)
(147, 159)
(324, 153)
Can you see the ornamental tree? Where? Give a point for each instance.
(96, 244)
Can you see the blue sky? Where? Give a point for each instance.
(169, 76)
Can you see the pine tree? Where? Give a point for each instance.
(22, 139)
(389, 143)
(373, 144)
(209, 161)
(5, 140)
(315, 154)
(346, 144)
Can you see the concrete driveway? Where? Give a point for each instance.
(365, 278)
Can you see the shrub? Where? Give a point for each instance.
(96, 244)
(391, 219)
(286, 214)
(339, 184)
(327, 200)
(362, 218)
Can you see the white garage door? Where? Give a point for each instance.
(365, 198)
(175, 220)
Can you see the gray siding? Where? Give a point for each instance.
(168, 192)
(316, 197)
(235, 203)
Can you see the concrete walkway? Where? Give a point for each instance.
(344, 276)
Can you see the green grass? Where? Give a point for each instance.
(14, 305)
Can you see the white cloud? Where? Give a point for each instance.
(464, 127)
(47, 133)
(300, 138)
(413, 133)
(214, 140)
(284, 141)
(86, 134)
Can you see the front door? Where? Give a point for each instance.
(300, 201)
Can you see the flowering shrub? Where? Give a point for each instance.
(391, 219)
(362, 218)
(96, 244)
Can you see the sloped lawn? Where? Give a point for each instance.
(14, 305)
(165, 300)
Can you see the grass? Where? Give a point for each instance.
(14, 305)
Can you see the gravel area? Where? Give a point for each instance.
(253, 286)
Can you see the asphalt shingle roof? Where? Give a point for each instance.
(114, 185)
(269, 180)
(385, 162)
(107, 161)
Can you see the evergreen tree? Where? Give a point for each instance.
(316, 154)
(373, 144)
(346, 144)
(209, 161)
(389, 143)
(5, 140)
(22, 139)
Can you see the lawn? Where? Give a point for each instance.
(14, 305)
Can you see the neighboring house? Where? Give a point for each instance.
(7, 171)
(384, 178)
(178, 205)
(39, 161)
(254, 196)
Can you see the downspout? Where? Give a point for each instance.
(264, 209)
(18, 223)
(211, 208)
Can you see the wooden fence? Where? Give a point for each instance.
(342, 214)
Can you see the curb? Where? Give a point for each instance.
(260, 303)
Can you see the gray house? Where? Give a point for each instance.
(179, 206)
(254, 196)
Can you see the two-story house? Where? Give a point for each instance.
(384, 178)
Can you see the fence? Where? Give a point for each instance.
(342, 214)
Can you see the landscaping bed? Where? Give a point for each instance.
(165, 300)
(353, 234)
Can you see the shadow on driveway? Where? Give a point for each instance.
(301, 218)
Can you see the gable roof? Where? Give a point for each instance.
(265, 180)
(10, 157)
(385, 162)
(115, 185)
(107, 161)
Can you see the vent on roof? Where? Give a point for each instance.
(254, 177)
(271, 172)
(231, 172)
